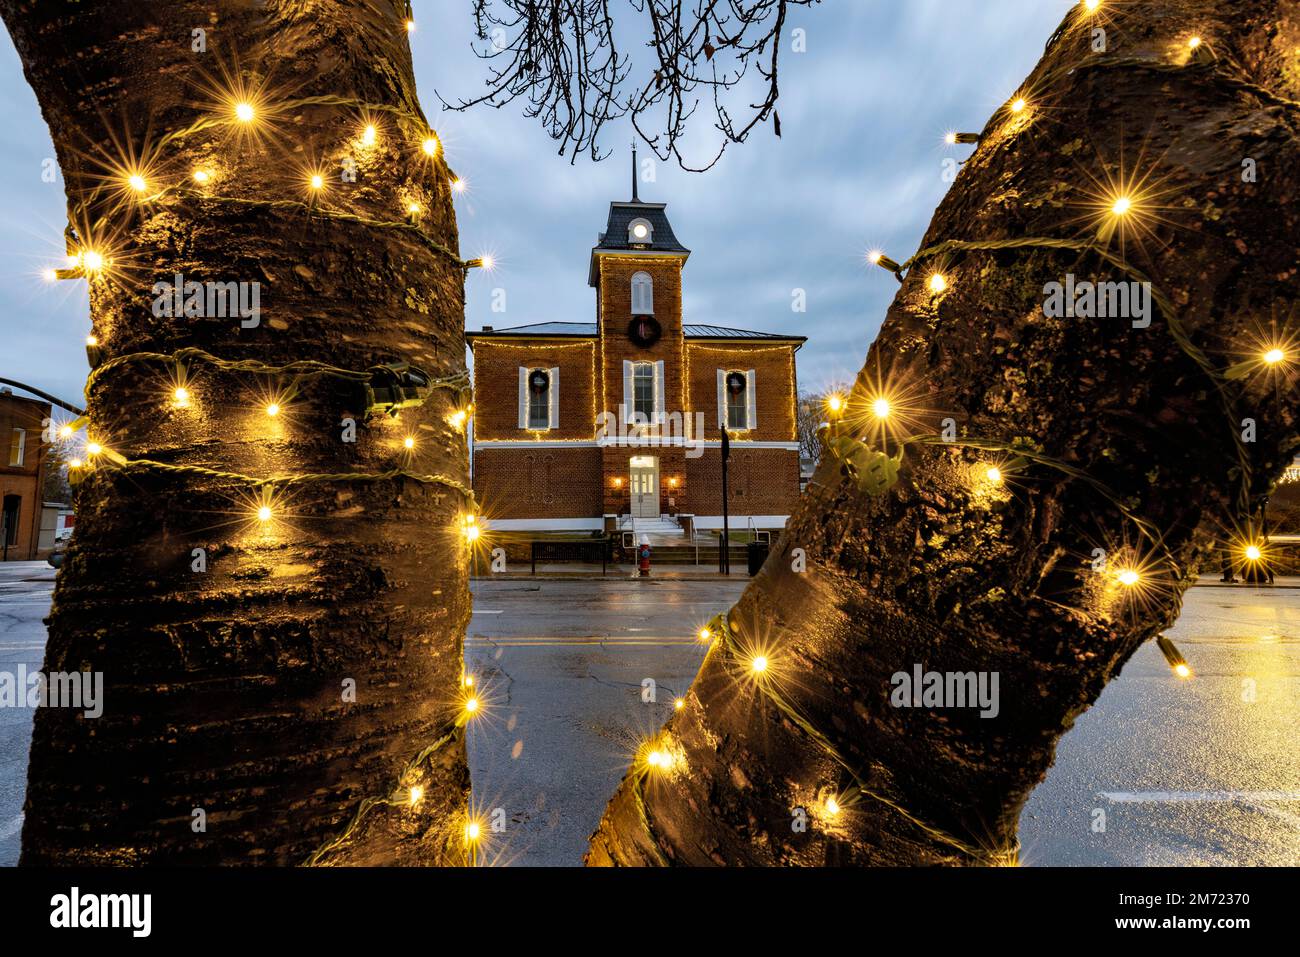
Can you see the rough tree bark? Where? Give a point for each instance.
(1120, 425)
(225, 690)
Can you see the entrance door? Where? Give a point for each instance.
(645, 486)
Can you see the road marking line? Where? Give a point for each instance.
(1191, 797)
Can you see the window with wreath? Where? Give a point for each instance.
(539, 405)
(737, 406)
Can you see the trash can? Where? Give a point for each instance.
(757, 555)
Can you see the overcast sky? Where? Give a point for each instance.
(863, 113)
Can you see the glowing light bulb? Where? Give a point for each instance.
(1091, 5)
(1018, 105)
(93, 448)
(759, 664)
(1194, 42)
(679, 703)
(472, 533)
(50, 275)
(74, 463)
(488, 262)
(835, 404)
(1183, 671)
(1274, 356)
(472, 831)
(181, 396)
(430, 146)
(881, 408)
(657, 759)
(938, 282)
(369, 135)
(459, 185)
(413, 209)
(417, 795)
(201, 176)
(469, 681)
(65, 432)
(705, 635)
(137, 183)
(273, 409)
(92, 340)
(994, 474)
(264, 513)
(1128, 577)
(92, 261)
(408, 442)
(874, 257)
(458, 418)
(832, 806)
(317, 180)
(471, 704)
(1253, 553)
(244, 112)
(1122, 206)
(410, 26)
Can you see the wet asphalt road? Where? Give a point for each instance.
(1160, 771)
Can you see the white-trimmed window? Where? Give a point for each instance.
(539, 399)
(643, 294)
(640, 232)
(737, 400)
(643, 392)
(17, 446)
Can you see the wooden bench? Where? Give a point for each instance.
(586, 550)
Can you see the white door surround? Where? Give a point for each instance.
(644, 470)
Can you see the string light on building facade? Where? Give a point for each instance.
(244, 112)
(369, 135)
(430, 145)
(881, 408)
(938, 282)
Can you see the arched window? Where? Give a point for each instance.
(643, 295)
(640, 232)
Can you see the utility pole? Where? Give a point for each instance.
(724, 555)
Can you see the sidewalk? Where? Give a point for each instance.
(520, 571)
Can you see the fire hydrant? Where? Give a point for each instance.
(643, 557)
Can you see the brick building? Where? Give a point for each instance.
(22, 475)
(616, 423)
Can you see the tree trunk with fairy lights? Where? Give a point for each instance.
(1161, 150)
(275, 602)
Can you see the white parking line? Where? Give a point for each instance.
(1193, 797)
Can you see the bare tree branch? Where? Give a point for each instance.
(561, 57)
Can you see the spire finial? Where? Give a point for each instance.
(635, 198)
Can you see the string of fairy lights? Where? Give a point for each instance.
(389, 388)
(385, 389)
(875, 470)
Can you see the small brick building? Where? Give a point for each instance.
(616, 424)
(22, 475)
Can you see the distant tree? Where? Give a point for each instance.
(811, 413)
(55, 487)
